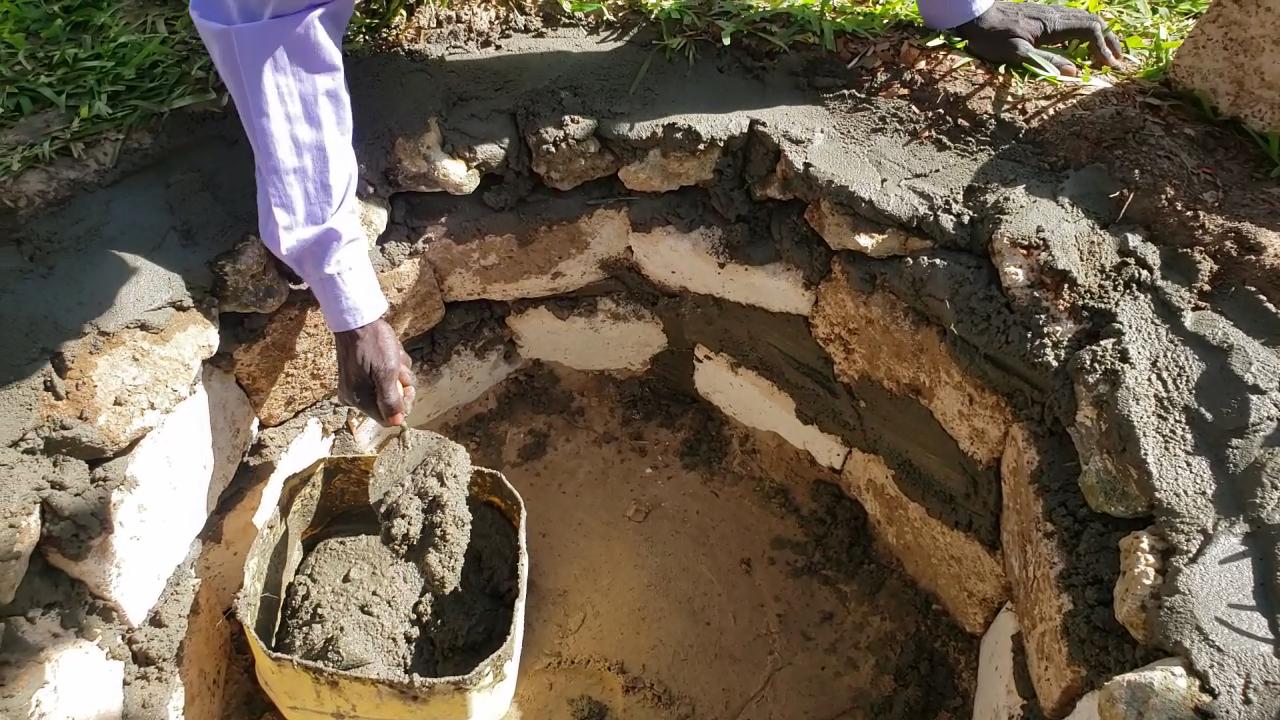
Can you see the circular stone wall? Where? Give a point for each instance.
(867, 408)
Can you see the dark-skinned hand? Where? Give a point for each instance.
(1011, 33)
(374, 372)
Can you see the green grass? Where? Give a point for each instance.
(1269, 143)
(782, 23)
(1151, 30)
(71, 70)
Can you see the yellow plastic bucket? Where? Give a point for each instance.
(317, 502)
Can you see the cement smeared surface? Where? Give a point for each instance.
(462, 628)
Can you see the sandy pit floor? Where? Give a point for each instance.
(673, 575)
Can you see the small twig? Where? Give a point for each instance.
(770, 673)
(856, 58)
(620, 198)
(845, 713)
(1125, 209)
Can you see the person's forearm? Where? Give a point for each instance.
(947, 14)
(282, 63)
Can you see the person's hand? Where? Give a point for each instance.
(1010, 33)
(374, 372)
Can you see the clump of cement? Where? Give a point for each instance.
(585, 707)
(419, 491)
(350, 607)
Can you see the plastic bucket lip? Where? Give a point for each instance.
(309, 501)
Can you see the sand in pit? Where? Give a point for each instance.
(350, 607)
(433, 596)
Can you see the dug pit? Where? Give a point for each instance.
(686, 567)
(832, 392)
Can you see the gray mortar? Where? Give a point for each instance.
(928, 463)
(1215, 467)
(419, 490)
(110, 255)
(1204, 384)
(21, 399)
(152, 669)
(350, 607)
(24, 477)
(74, 500)
(461, 629)
(77, 503)
(357, 604)
(476, 325)
(46, 588)
(1089, 548)
(1006, 348)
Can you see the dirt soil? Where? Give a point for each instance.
(684, 570)
(470, 25)
(1200, 186)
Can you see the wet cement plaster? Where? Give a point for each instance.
(432, 596)
(464, 627)
(141, 244)
(357, 605)
(350, 607)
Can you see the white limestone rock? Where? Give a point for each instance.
(698, 262)
(168, 486)
(609, 335)
(996, 696)
(64, 678)
(755, 401)
(116, 388)
(1138, 587)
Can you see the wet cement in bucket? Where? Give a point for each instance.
(351, 608)
(432, 596)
